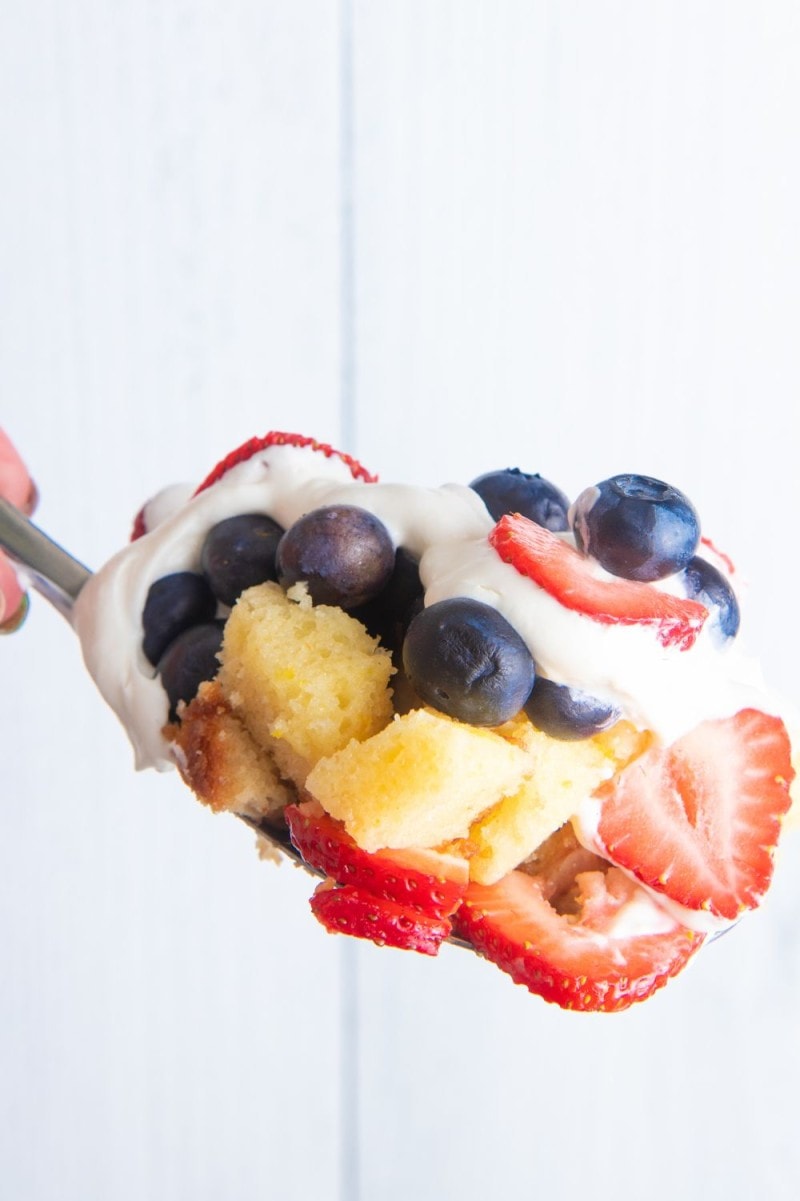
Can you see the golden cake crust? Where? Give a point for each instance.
(221, 761)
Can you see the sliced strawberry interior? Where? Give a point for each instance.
(577, 932)
(277, 438)
(699, 820)
(567, 576)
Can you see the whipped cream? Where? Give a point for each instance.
(663, 689)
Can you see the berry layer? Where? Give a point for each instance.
(666, 690)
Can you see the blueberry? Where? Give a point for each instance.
(240, 552)
(636, 527)
(188, 661)
(388, 614)
(568, 713)
(173, 604)
(342, 552)
(463, 658)
(514, 491)
(704, 583)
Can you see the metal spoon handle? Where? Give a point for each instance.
(51, 570)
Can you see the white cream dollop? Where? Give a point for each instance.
(664, 689)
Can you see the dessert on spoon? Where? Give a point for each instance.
(480, 713)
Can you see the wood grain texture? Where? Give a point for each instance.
(452, 235)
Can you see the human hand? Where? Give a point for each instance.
(16, 486)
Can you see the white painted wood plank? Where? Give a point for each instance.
(169, 251)
(577, 251)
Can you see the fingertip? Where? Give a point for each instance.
(13, 601)
(15, 482)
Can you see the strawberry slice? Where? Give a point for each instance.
(139, 525)
(349, 910)
(699, 820)
(277, 438)
(428, 881)
(581, 934)
(567, 576)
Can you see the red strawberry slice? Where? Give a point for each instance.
(567, 576)
(349, 910)
(599, 942)
(699, 820)
(139, 525)
(277, 438)
(428, 881)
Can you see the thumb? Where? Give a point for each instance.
(12, 597)
(15, 483)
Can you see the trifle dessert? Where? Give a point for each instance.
(480, 713)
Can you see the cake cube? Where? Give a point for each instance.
(305, 678)
(420, 782)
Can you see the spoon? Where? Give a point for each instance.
(47, 566)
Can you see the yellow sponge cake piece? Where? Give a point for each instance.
(562, 775)
(419, 782)
(221, 761)
(305, 678)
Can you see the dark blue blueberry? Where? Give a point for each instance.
(342, 552)
(568, 713)
(174, 603)
(387, 615)
(464, 659)
(239, 553)
(704, 583)
(636, 527)
(514, 491)
(188, 661)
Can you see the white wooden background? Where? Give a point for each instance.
(450, 237)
